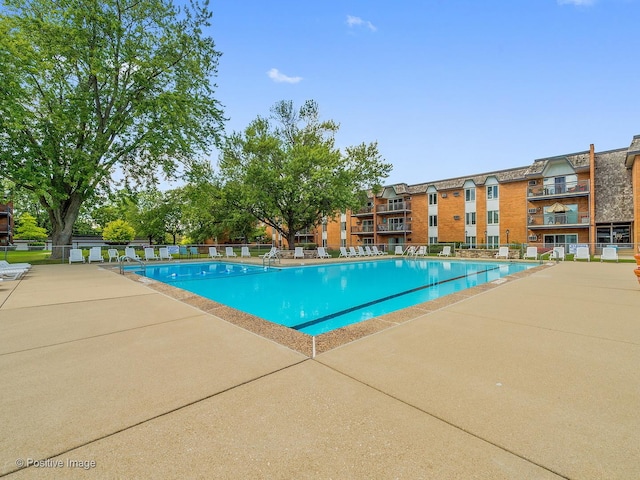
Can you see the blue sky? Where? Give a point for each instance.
(446, 87)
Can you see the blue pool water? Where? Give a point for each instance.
(320, 298)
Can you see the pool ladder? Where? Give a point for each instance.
(126, 258)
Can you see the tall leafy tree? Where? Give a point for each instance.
(93, 88)
(286, 171)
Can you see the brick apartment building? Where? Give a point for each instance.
(6, 224)
(588, 197)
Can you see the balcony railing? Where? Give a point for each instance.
(363, 211)
(577, 188)
(566, 218)
(363, 229)
(393, 207)
(393, 227)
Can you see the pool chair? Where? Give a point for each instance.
(367, 251)
(532, 252)
(7, 275)
(322, 253)
(130, 253)
(609, 253)
(95, 255)
(213, 253)
(399, 250)
(163, 254)
(229, 252)
(343, 252)
(446, 251)
(375, 251)
(353, 252)
(582, 253)
(557, 253)
(75, 255)
(361, 252)
(298, 252)
(150, 254)
(182, 250)
(19, 266)
(194, 252)
(113, 254)
(503, 252)
(244, 252)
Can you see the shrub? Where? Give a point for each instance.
(118, 231)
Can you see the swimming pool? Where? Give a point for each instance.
(316, 299)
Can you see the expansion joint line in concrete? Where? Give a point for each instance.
(451, 424)
(106, 334)
(161, 415)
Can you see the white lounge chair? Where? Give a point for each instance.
(150, 254)
(532, 252)
(557, 253)
(446, 251)
(229, 252)
(298, 252)
(609, 253)
(130, 253)
(503, 252)
(10, 275)
(213, 253)
(375, 251)
(421, 251)
(582, 253)
(95, 255)
(18, 265)
(163, 254)
(344, 252)
(75, 255)
(113, 254)
(244, 252)
(410, 250)
(352, 252)
(322, 253)
(399, 250)
(361, 252)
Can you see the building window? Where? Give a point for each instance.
(470, 194)
(433, 199)
(492, 217)
(493, 241)
(433, 240)
(471, 241)
(470, 218)
(492, 192)
(433, 220)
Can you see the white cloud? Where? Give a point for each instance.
(579, 3)
(359, 22)
(279, 77)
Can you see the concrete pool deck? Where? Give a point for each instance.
(105, 377)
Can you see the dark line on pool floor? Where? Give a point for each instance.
(380, 300)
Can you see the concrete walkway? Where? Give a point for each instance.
(103, 377)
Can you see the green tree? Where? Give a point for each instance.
(91, 88)
(28, 229)
(118, 231)
(287, 172)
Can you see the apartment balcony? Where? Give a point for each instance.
(363, 212)
(393, 228)
(555, 220)
(578, 188)
(393, 208)
(362, 230)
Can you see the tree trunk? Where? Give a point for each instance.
(62, 219)
(291, 240)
